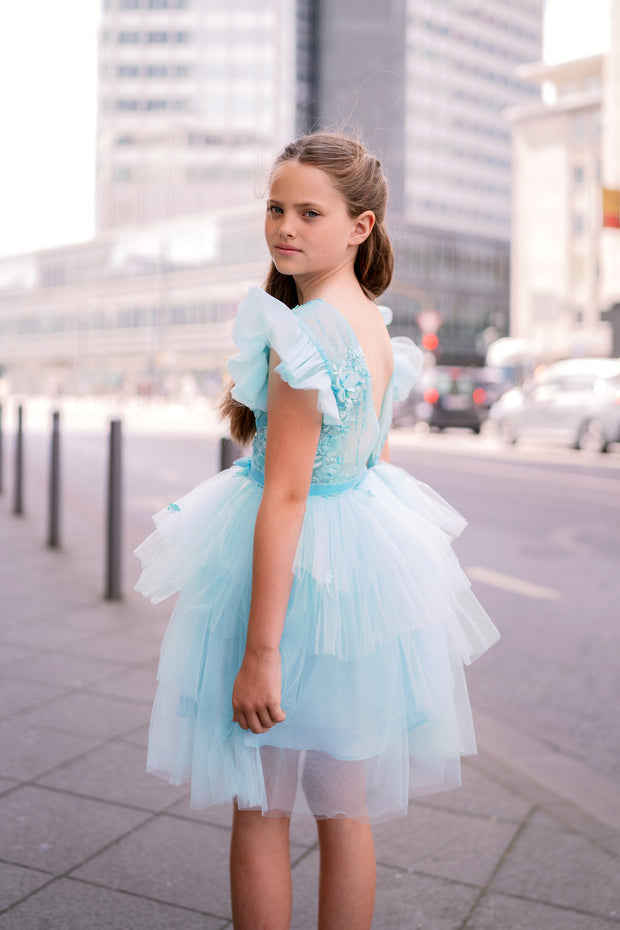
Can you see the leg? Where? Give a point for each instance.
(347, 875)
(260, 864)
(260, 872)
(347, 871)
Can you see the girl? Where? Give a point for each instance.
(314, 659)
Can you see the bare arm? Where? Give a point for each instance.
(292, 438)
(385, 452)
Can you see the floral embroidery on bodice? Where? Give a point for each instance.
(344, 448)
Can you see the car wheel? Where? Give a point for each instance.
(591, 437)
(475, 429)
(507, 432)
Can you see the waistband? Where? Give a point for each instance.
(316, 488)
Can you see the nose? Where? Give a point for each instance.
(286, 226)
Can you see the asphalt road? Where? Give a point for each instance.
(541, 548)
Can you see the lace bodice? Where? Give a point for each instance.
(319, 350)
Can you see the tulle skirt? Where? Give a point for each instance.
(380, 623)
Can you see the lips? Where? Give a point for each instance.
(287, 250)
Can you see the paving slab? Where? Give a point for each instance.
(10, 652)
(27, 751)
(554, 865)
(83, 714)
(7, 783)
(139, 736)
(52, 831)
(17, 881)
(444, 844)
(499, 912)
(114, 771)
(136, 683)
(61, 668)
(480, 796)
(18, 694)
(169, 859)
(404, 901)
(128, 647)
(73, 905)
(43, 634)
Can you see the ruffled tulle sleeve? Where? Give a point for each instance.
(407, 365)
(262, 322)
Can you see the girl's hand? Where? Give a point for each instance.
(257, 691)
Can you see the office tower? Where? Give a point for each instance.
(194, 95)
(427, 83)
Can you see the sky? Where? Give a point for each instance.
(48, 106)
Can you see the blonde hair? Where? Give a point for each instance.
(359, 179)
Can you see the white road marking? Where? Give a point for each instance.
(510, 583)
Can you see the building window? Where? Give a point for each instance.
(578, 175)
(127, 71)
(168, 4)
(123, 173)
(156, 104)
(127, 105)
(157, 37)
(579, 224)
(181, 37)
(128, 38)
(157, 71)
(130, 4)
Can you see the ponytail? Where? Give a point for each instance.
(374, 263)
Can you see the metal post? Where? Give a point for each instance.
(53, 534)
(1, 453)
(18, 496)
(229, 451)
(114, 515)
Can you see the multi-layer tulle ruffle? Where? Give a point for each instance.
(372, 650)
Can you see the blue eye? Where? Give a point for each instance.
(311, 214)
(275, 210)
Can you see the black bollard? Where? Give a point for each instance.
(114, 516)
(53, 531)
(229, 451)
(18, 496)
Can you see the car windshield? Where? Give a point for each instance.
(451, 382)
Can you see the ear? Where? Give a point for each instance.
(362, 227)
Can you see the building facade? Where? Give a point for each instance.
(190, 104)
(566, 149)
(195, 96)
(131, 310)
(426, 83)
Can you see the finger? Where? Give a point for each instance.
(239, 717)
(254, 723)
(265, 718)
(277, 714)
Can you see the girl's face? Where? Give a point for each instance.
(308, 230)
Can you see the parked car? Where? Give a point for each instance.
(575, 402)
(490, 384)
(445, 396)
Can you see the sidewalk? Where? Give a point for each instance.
(88, 841)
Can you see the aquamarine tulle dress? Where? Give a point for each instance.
(380, 622)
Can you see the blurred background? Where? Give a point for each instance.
(139, 135)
